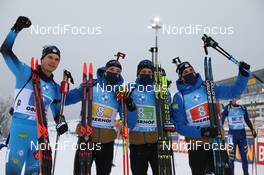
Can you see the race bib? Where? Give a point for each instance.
(198, 114)
(25, 103)
(103, 116)
(146, 121)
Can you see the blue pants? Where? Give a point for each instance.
(238, 138)
(22, 148)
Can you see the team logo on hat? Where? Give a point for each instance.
(55, 50)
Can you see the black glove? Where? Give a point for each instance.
(61, 126)
(209, 132)
(244, 68)
(11, 111)
(130, 104)
(169, 83)
(21, 22)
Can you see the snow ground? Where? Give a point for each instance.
(65, 159)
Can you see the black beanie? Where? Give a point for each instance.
(114, 63)
(145, 64)
(182, 66)
(50, 49)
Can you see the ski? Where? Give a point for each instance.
(64, 88)
(44, 149)
(166, 156)
(221, 162)
(166, 122)
(83, 155)
(164, 145)
(165, 152)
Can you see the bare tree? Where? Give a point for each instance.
(5, 117)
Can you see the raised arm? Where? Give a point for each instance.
(233, 91)
(10, 58)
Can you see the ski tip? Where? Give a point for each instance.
(32, 63)
(91, 68)
(84, 68)
(36, 66)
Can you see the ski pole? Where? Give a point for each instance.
(253, 144)
(172, 157)
(64, 91)
(121, 95)
(210, 42)
(254, 161)
(118, 137)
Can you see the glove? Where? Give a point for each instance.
(169, 83)
(209, 132)
(130, 104)
(169, 127)
(254, 133)
(11, 111)
(61, 126)
(127, 99)
(126, 93)
(244, 68)
(21, 22)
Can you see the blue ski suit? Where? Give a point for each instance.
(190, 105)
(23, 132)
(190, 113)
(105, 109)
(143, 122)
(237, 116)
(143, 129)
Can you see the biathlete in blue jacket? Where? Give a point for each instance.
(237, 116)
(105, 109)
(191, 116)
(23, 131)
(143, 136)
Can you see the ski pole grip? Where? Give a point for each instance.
(67, 75)
(64, 87)
(120, 55)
